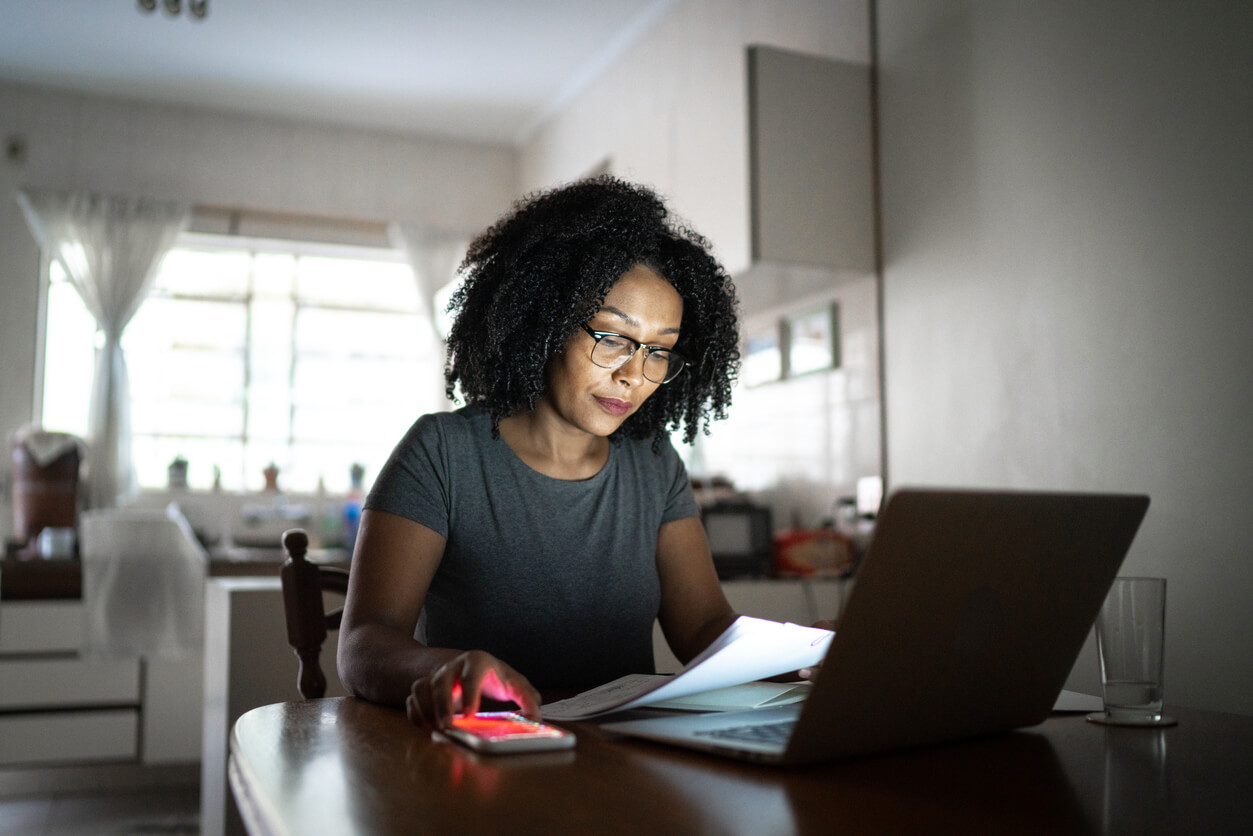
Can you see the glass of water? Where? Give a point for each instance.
(1131, 640)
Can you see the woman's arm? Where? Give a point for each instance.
(379, 660)
(694, 611)
(392, 566)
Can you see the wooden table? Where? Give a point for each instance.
(345, 766)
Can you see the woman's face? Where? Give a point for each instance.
(641, 305)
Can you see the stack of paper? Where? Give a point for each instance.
(739, 697)
(748, 650)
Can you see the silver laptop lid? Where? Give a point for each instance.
(966, 617)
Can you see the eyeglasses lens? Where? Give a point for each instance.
(660, 365)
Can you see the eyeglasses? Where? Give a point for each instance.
(613, 351)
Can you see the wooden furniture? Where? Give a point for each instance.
(40, 580)
(307, 621)
(346, 766)
(62, 580)
(248, 659)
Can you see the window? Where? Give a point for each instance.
(248, 352)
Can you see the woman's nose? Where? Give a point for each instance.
(632, 371)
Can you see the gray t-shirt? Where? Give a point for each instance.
(557, 578)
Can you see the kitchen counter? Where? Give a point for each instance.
(239, 561)
(44, 580)
(40, 580)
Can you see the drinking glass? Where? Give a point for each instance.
(1130, 640)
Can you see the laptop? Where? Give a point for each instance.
(968, 613)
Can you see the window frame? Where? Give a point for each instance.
(243, 441)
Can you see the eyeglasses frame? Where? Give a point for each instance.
(600, 335)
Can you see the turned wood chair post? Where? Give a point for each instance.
(307, 621)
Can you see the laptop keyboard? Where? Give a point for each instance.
(777, 732)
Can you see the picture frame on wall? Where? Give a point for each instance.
(813, 340)
(763, 355)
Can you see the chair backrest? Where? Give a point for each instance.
(307, 621)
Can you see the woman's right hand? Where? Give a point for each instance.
(457, 686)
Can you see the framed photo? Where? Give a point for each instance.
(763, 357)
(813, 340)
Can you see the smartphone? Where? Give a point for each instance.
(503, 732)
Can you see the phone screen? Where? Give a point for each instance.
(507, 731)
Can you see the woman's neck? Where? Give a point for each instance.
(553, 447)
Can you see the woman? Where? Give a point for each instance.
(529, 539)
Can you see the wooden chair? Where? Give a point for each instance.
(307, 621)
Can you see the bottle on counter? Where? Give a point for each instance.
(855, 524)
(329, 530)
(352, 507)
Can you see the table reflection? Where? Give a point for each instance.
(346, 766)
(586, 789)
(1137, 787)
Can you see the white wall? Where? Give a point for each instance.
(113, 146)
(672, 113)
(1068, 281)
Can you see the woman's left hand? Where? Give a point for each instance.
(811, 673)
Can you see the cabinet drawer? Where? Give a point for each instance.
(64, 683)
(40, 626)
(69, 737)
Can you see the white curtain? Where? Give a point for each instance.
(110, 247)
(434, 256)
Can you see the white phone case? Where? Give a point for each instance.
(544, 738)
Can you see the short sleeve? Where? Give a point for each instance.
(680, 499)
(414, 482)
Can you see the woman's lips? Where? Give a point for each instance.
(613, 406)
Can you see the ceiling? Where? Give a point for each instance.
(478, 70)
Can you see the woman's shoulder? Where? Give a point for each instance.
(457, 427)
(462, 419)
(644, 453)
(659, 472)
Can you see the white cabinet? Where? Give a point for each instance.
(811, 177)
(68, 737)
(810, 161)
(41, 626)
(63, 683)
(248, 663)
(172, 708)
(798, 601)
(58, 707)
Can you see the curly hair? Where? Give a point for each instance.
(543, 270)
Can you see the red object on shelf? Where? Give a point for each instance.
(812, 553)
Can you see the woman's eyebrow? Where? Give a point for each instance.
(630, 320)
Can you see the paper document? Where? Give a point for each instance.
(750, 649)
(740, 697)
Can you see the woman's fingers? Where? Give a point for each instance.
(428, 704)
(458, 687)
(811, 673)
(484, 675)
